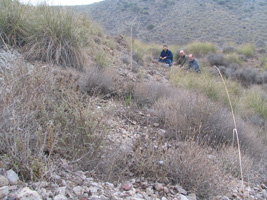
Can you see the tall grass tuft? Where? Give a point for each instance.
(201, 48)
(48, 34)
(13, 22)
(56, 37)
(247, 50)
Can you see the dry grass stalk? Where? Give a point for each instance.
(235, 132)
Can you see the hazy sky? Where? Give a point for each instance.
(60, 2)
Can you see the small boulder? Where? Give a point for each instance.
(126, 186)
(192, 196)
(28, 194)
(3, 181)
(78, 190)
(60, 197)
(12, 177)
(182, 197)
(4, 192)
(158, 187)
(180, 190)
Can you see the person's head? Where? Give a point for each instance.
(191, 57)
(182, 52)
(165, 47)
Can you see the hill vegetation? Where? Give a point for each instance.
(73, 99)
(181, 22)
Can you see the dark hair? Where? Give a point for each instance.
(165, 45)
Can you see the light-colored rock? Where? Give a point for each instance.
(12, 177)
(182, 197)
(60, 197)
(3, 181)
(61, 191)
(192, 196)
(93, 190)
(78, 190)
(156, 125)
(264, 194)
(149, 191)
(4, 192)
(166, 190)
(180, 190)
(28, 194)
(126, 186)
(158, 187)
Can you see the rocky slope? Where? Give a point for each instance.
(66, 181)
(181, 22)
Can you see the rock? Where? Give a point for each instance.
(12, 177)
(28, 194)
(182, 197)
(78, 190)
(126, 186)
(93, 190)
(144, 185)
(264, 194)
(60, 197)
(3, 181)
(192, 196)
(132, 192)
(166, 190)
(4, 192)
(61, 191)
(158, 187)
(263, 186)
(156, 125)
(149, 191)
(164, 198)
(180, 190)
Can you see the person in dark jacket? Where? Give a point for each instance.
(166, 56)
(193, 64)
(183, 60)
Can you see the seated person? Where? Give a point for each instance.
(183, 60)
(193, 64)
(166, 56)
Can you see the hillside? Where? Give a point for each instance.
(180, 22)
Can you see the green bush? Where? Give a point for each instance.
(201, 48)
(258, 102)
(233, 58)
(150, 27)
(247, 50)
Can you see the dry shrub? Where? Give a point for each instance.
(184, 163)
(229, 161)
(217, 59)
(189, 115)
(148, 93)
(42, 117)
(229, 49)
(98, 80)
(192, 116)
(115, 163)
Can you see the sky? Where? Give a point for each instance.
(60, 2)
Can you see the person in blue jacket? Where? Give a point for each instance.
(166, 56)
(193, 64)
